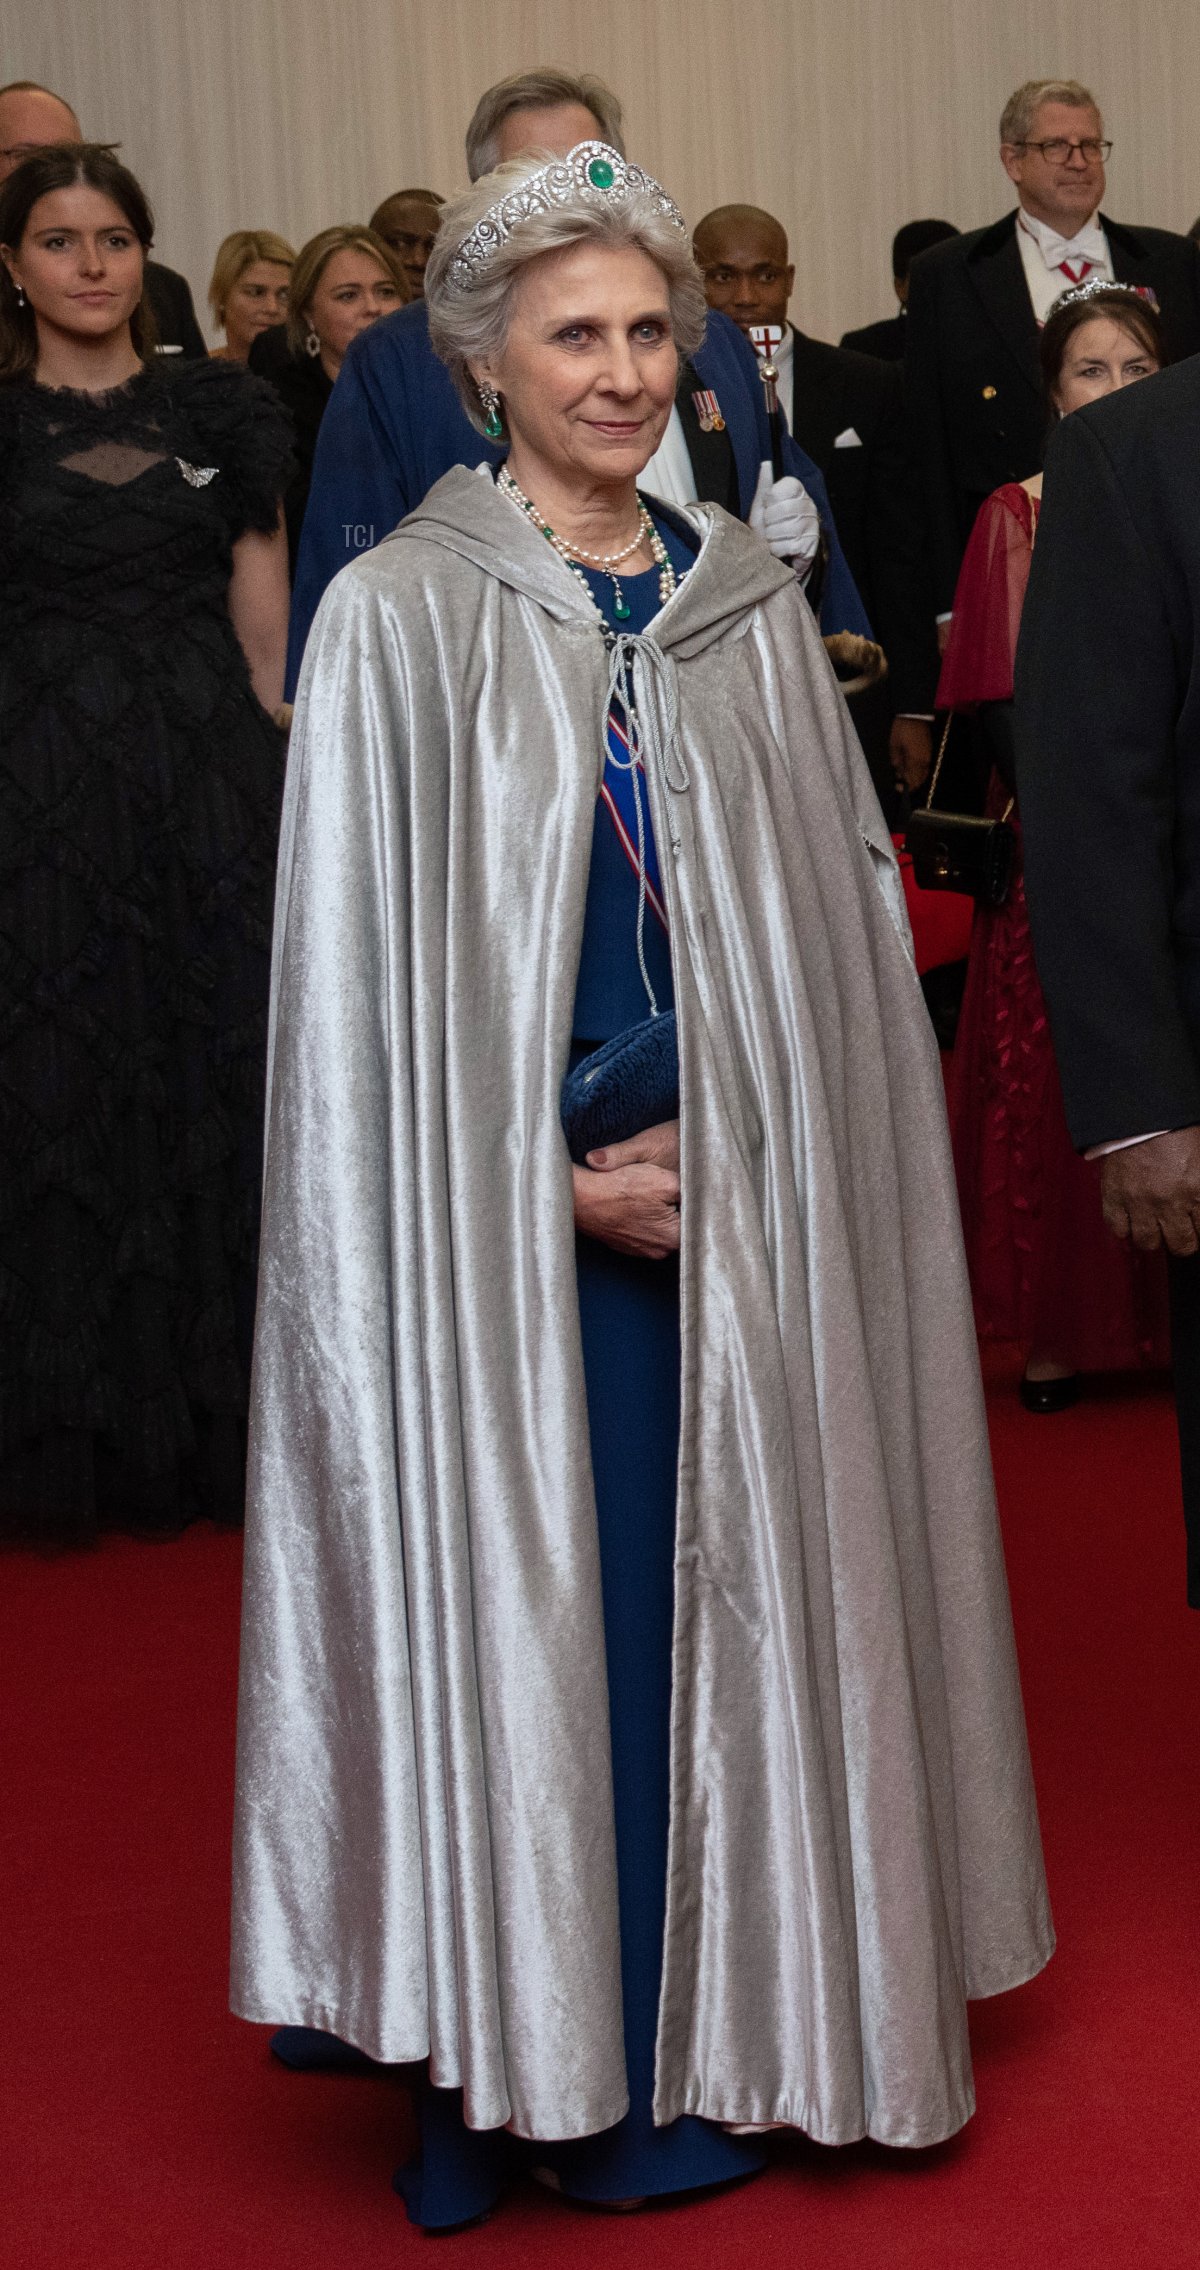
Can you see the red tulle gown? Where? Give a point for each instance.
(1044, 1269)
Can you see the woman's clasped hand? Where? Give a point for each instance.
(627, 1195)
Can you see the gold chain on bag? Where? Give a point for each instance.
(936, 774)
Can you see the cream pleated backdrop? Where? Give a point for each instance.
(845, 117)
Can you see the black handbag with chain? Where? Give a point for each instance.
(955, 851)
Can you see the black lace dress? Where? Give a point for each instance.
(140, 786)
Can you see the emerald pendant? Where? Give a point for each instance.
(620, 603)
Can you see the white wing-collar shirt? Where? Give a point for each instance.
(1053, 263)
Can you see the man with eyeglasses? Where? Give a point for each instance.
(977, 303)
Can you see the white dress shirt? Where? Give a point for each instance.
(1043, 250)
(669, 474)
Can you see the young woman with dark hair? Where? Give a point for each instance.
(1044, 1270)
(128, 233)
(143, 602)
(1095, 339)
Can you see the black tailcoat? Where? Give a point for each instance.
(875, 499)
(170, 296)
(886, 340)
(972, 371)
(714, 468)
(1108, 766)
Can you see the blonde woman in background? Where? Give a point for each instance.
(249, 288)
(343, 280)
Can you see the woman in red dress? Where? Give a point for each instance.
(1044, 1270)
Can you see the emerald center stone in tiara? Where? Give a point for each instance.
(600, 174)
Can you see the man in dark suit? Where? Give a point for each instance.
(408, 221)
(889, 339)
(846, 411)
(1108, 766)
(30, 118)
(976, 306)
(170, 296)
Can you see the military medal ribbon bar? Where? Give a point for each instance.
(708, 410)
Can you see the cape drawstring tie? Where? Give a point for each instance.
(642, 682)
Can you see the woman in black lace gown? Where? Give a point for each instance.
(143, 597)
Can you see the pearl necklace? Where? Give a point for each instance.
(571, 554)
(607, 561)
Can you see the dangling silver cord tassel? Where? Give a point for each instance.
(620, 690)
(626, 652)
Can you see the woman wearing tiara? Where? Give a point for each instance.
(1045, 1272)
(630, 1728)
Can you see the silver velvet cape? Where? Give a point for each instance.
(425, 1857)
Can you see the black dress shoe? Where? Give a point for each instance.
(1046, 1395)
(303, 2050)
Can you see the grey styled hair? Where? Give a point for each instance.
(469, 323)
(1018, 114)
(544, 89)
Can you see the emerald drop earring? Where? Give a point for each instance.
(493, 423)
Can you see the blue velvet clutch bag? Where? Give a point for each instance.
(630, 1084)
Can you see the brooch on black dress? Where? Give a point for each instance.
(197, 476)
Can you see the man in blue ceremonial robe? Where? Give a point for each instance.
(394, 424)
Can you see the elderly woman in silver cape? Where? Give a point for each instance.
(630, 1724)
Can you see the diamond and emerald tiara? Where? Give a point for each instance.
(592, 170)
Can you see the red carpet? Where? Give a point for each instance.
(144, 2129)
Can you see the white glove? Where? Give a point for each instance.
(786, 518)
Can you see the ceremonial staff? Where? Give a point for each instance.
(765, 338)
(859, 662)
